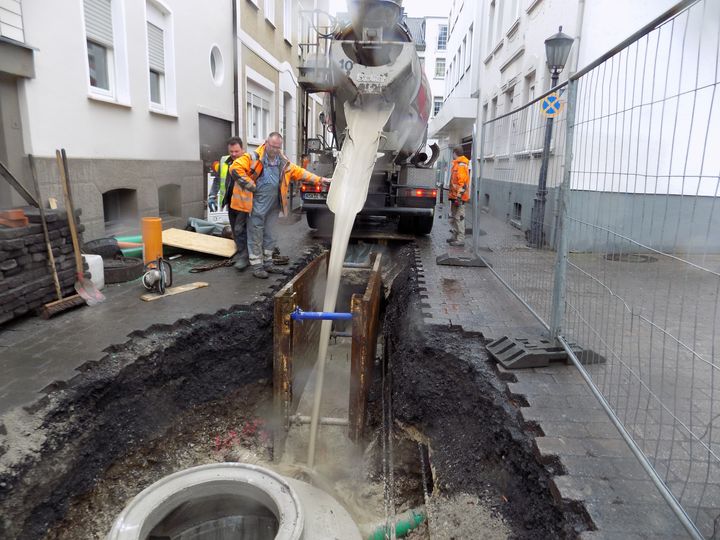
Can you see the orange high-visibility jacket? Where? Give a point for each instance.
(249, 168)
(460, 179)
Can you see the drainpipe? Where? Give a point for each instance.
(404, 524)
(578, 31)
(236, 90)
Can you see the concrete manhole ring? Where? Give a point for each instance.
(180, 505)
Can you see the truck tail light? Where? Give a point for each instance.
(312, 188)
(431, 193)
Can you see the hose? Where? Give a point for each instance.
(404, 523)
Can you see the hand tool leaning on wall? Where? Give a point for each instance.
(84, 287)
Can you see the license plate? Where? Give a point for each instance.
(315, 196)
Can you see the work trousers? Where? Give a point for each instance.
(238, 225)
(262, 227)
(457, 221)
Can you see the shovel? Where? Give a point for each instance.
(84, 287)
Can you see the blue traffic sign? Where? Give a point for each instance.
(551, 105)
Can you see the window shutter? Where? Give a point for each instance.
(156, 48)
(98, 21)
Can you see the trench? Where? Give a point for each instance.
(200, 391)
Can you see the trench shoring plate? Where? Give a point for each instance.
(520, 353)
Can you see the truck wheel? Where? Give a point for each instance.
(418, 225)
(406, 224)
(423, 225)
(312, 219)
(319, 219)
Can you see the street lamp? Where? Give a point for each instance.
(557, 51)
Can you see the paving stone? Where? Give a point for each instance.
(587, 446)
(27, 364)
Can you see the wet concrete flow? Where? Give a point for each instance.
(441, 432)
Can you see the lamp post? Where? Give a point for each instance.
(557, 51)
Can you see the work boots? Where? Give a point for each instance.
(260, 272)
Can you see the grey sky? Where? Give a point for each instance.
(414, 8)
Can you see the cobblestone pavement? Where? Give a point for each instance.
(574, 434)
(35, 353)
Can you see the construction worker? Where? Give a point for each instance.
(221, 187)
(262, 181)
(459, 195)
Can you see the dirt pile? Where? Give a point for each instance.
(131, 397)
(445, 388)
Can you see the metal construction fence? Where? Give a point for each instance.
(624, 259)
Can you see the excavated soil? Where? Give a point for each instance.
(445, 388)
(134, 396)
(200, 391)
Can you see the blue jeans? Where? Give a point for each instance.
(262, 226)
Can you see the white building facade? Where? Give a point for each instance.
(143, 95)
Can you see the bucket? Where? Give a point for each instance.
(97, 271)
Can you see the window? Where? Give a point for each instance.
(514, 10)
(217, 66)
(287, 20)
(169, 200)
(258, 116)
(99, 58)
(509, 122)
(161, 58)
(437, 104)
(119, 207)
(531, 131)
(439, 68)
(499, 27)
(468, 57)
(106, 50)
(463, 52)
(442, 37)
(156, 61)
(491, 25)
(270, 11)
(517, 212)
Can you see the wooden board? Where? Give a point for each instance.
(150, 297)
(202, 243)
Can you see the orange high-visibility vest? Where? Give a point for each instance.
(249, 168)
(460, 179)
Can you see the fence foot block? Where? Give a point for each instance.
(519, 353)
(447, 260)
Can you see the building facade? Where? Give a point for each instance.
(513, 73)
(142, 95)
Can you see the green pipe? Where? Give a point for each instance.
(135, 239)
(132, 252)
(404, 523)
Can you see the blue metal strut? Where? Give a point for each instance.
(300, 315)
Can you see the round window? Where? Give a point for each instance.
(217, 67)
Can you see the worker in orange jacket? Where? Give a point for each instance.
(219, 198)
(262, 183)
(459, 195)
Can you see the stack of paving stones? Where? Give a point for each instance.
(26, 282)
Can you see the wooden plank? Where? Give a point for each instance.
(365, 310)
(202, 243)
(150, 297)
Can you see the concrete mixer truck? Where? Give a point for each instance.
(369, 59)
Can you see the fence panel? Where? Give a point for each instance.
(638, 272)
(642, 277)
(511, 158)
